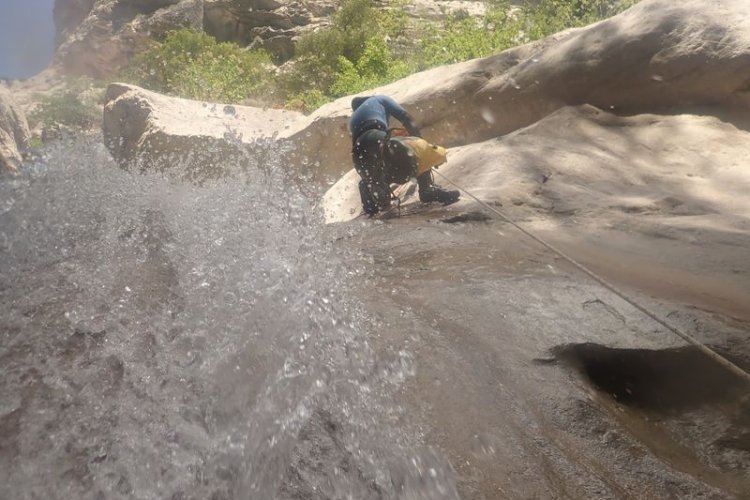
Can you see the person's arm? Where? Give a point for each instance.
(398, 112)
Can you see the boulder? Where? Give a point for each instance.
(657, 56)
(14, 134)
(583, 162)
(190, 139)
(199, 140)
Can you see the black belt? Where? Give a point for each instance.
(369, 125)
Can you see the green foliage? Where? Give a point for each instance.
(77, 106)
(393, 21)
(364, 47)
(194, 65)
(316, 63)
(35, 143)
(550, 16)
(461, 37)
(354, 21)
(543, 18)
(325, 46)
(307, 101)
(321, 53)
(349, 56)
(375, 67)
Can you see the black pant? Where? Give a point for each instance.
(379, 170)
(374, 187)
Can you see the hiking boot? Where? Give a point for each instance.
(435, 193)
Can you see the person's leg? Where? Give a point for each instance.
(369, 205)
(429, 192)
(366, 154)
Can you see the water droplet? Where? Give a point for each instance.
(487, 115)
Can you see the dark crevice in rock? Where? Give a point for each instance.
(474, 216)
(664, 381)
(688, 409)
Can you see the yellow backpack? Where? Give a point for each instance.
(409, 156)
(428, 155)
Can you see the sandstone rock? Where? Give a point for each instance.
(277, 42)
(98, 37)
(197, 140)
(277, 23)
(184, 14)
(113, 30)
(658, 55)
(190, 139)
(14, 134)
(679, 170)
(648, 58)
(68, 14)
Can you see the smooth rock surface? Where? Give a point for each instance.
(189, 139)
(614, 186)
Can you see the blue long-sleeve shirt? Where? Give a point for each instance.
(380, 108)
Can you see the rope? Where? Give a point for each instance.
(742, 374)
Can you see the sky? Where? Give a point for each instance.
(27, 37)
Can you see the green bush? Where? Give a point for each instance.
(363, 48)
(320, 54)
(77, 106)
(376, 66)
(315, 65)
(461, 37)
(194, 65)
(392, 21)
(349, 56)
(35, 143)
(307, 101)
(543, 18)
(355, 22)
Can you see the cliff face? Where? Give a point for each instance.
(98, 37)
(14, 134)
(271, 24)
(68, 15)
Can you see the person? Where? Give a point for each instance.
(369, 129)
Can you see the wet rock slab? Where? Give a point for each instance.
(536, 382)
